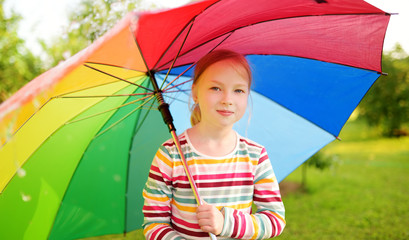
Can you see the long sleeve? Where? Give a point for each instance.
(158, 196)
(232, 182)
(269, 220)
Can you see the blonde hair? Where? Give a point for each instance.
(205, 62)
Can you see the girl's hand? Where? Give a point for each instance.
(210, 219)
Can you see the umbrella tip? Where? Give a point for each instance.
(338, 138)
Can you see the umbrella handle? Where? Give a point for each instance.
(188, 174)
(167, 118)
(212, 236)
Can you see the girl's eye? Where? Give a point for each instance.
(239, 91)
(215, 88)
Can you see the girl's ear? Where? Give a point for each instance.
(194, 93)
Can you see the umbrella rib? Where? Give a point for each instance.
(50, 99)
(109, 110)
(193, 64)
(228, 34)
(177, 91)
(24, 123)
(116, 66)
(177, 55)
(124, 117)
(72, 176)
(166, 90)
(184, 91)
(111, 75)
(82, 89)
(181, 31)
(142, 56)
(177, 99)
(136, 130)
(271, 20)
(144, 118)
(166, 87)
(104, 96)
(174, 40)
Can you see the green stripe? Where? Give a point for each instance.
(229, 199)
(185, 200)
(266, 174)
(158, 192)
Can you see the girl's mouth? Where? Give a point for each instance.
(225, 112)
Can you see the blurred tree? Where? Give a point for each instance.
(386, 105)
(319, 160)
(88, 22)
(17, 64)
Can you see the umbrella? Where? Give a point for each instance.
(77, 141)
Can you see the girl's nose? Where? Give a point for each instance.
(226, 99)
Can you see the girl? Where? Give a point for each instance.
(230, 171)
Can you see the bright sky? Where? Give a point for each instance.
(43, 19)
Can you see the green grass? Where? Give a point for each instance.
(363, 196)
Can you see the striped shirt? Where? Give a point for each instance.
(232, 182)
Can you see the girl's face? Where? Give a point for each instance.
(222, 92)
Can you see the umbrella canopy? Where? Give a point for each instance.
(77, 141)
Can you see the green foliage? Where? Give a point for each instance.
(17, 64)
(321, 160)
(87, 23)
(386, 105)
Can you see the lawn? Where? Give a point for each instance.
(362, 196)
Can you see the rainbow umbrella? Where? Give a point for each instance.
(77, 141)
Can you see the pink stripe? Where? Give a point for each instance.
(243, 224)
(215, 176)
(262, 159)
(163, 233)
(269, 199)
(157, 215)
(190, 233)
(224, 176)
(248, 143)
(185, 224)
(216, 168)
(274, 222)
(157, 231)
(157, 171)
(167, 179)
(266, 192)
(236, 224)
(156, 208)
(233, 183)
(157, 174)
